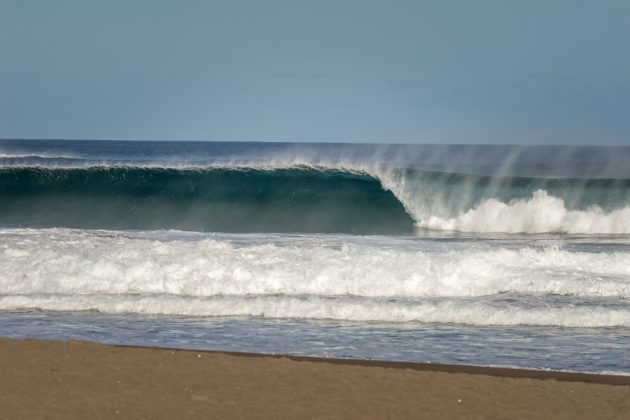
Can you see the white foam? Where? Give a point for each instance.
(307, 277)
(66, 261)
(33, 156)
(316, 308)
(542, 213)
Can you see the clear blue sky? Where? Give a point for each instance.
(535, 71)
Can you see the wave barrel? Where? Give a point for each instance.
(209, 199)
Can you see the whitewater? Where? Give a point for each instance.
(313, 249)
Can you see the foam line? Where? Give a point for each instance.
(341, 278)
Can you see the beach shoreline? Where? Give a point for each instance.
(496, 371)
(72, 379)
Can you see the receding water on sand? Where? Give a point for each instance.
(574, 349)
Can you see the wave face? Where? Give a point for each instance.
(315, 188)
(300, 198)
(203, 199)
(341, 278)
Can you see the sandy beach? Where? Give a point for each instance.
(74, 379)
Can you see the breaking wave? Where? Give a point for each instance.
(301, 197)
(295, 199)
(310, 277)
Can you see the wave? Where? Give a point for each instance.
(315, 308)
(297, 199)
(312, 278)
(302, 197)
(542, 213)
(501, 204)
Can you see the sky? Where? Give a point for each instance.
(390, 71)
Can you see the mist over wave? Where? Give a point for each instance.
(270, 197)
(326, 188)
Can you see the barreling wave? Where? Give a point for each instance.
(295, 199)
(63, 191)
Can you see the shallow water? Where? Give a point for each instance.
(574, 349)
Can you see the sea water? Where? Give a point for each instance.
(491, 255)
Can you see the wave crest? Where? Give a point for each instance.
(303, 196)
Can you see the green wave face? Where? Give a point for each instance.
(220, 200)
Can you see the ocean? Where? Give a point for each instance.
(486, 255)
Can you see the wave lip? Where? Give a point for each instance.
(304, 196)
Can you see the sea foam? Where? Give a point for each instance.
(542, 213)
(312, 277)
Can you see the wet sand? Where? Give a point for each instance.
(74, 379)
